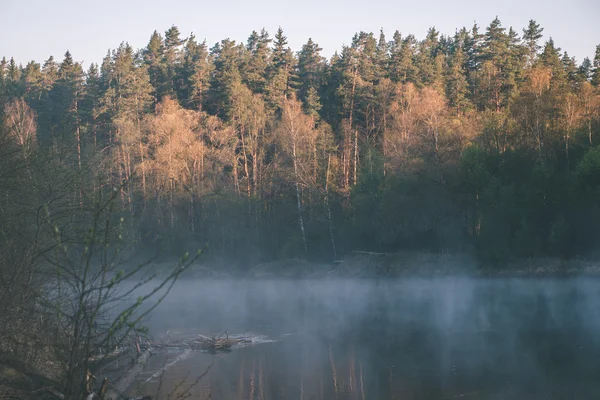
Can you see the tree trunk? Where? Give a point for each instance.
(298, 200)
(329, 208)
(246, 169)
(352, 122)
(355, 179)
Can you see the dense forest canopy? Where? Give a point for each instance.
(484, 141)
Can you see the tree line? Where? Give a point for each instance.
(484, 141)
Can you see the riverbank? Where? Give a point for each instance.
(396, 265)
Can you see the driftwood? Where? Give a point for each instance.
(221, 343)
(209, 343)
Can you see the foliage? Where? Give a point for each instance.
(480, 141)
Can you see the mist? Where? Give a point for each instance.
(370, 339)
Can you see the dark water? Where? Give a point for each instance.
(409, 339)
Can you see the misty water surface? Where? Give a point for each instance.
(409, 339)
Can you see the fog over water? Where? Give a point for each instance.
(366, 339)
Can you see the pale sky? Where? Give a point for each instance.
(36, 29)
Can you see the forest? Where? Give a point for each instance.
(483, 142)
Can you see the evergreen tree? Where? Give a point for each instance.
(32, 80)
(195, 73)
(45, 105)
(473, 43)
(12, 80)
(585, 70)
(402, 68)
(395, 47)
(516, 63)
(430, 61)
(173, 44)
(551, 59)
(173, 81)
(3, 68)
(257, 61)
(65, 100)
(226, 74)
(496, 76)
(50, 73)
(332, 78)
(129, 92)
(14, 71)
(90, 107)
(596, 70)
(280, 83)
(531, 36)
(457, 86)
(154, 57)
(571, 71)
(311, 66)
(382, 57)
(3, 71)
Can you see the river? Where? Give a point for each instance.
(364, 339)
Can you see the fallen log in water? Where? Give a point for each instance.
(208, 343)
(221, 343)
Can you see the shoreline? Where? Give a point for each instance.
(395, 266)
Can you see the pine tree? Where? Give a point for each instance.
(45, 105)
(257, 61)
(571, 71)
(473, 43)
(395, 48)
(3, 68)
(332, 78)
(457, 86)
(128, 93)
(195, 73)
(382, 57)
(282, 55)
(495, 78)
(173, 80)
(495, 43)
(402, 53)
(551, 58)
(226, 56)
(311, 66)
(515, 65)
(90, 106)
(531, 36)
(430, 61)
(312, 103)
(3, 73)
(173, 44)
(279, 82)
(32, 79)
(596, 70)
(14, 71)
(154, 57)
(65, 98)
(13, 84)
(50, 72)
(585, 70)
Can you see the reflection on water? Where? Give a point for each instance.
(411, 339)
